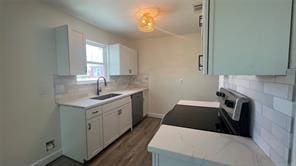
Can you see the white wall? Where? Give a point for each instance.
(1, 85)
(31, 113)
(166, 61)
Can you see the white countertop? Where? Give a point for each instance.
(207, 148)
(87, 102)
(212, 104)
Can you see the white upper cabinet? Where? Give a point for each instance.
(71, 51)
(246, 37)
(122, 60)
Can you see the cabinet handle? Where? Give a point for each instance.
(119, 112)
(200, 21)
(130, 71)
(200, 66)
(95, 112)
(89, 126)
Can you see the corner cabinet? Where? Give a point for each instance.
(122, 60)
(71, 51)
(246, 37)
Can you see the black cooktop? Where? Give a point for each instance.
(201, 118)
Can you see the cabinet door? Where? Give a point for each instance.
(133, 70)
(125, 118)
(77, 52)
(111, 126)
(124, 60)
(249, 37)
(204, 35)
(94, 136)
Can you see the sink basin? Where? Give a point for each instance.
(107, 96)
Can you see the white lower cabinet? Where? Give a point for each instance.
(125, 118)
(86, 132)
(94, 136)
(116, 120)
(111, 124)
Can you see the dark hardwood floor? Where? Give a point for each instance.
(128, 150)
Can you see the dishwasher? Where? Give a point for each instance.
(137, 107)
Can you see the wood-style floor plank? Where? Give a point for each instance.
(128, 150)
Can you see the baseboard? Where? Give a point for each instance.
(48, 159)
(155, 115)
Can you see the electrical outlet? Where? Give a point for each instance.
(50, 145)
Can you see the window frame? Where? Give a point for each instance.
(105, 62)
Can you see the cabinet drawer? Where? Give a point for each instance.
(116, 104)
(93, 112)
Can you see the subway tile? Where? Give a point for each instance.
(258, 107)
(242, 83)
(265, 78)
(232, 86)
(256, 130)
(257, 86)
(279, 118)
(246, 77)
(277, 146)
(242, 90)
(277, 158)
(284, 106)
(290, 78)
(292, 93)
(279, 90)
(263, 122)
(260, 97)
(262, 144)
(281, 135)
(260, 120)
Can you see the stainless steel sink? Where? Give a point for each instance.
(107, 96)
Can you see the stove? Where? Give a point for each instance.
(233, 116)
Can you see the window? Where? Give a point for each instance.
(96, 62)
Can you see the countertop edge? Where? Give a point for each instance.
(198, 159)
(133, 91)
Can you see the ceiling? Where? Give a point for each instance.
(119, 16)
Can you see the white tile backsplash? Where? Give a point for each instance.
(272, 115)
(279, 90)
(278, 118)
(67, 88)
(284, 106)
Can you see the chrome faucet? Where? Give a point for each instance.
(99, 89)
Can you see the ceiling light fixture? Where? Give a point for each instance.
(146, 23)
(146, 19)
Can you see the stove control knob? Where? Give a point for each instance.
(229, 103)
(220, 94)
